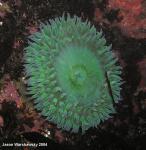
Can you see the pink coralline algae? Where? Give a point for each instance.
(9, 92)
(132, 16)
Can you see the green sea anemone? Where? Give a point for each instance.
(72, 74)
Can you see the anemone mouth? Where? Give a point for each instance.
(76, 77)
(66, 64)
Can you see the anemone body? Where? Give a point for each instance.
(67, 63)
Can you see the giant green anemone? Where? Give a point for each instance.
(72, 74)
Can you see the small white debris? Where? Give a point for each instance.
(1, 23)
(47, 134)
